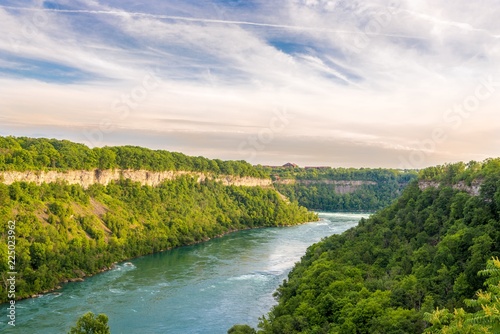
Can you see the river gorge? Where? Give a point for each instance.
(204, 288)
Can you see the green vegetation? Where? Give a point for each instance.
(30, 154)
(90, 324)
(389, 273)
(486, 320)
(64, 231)
(315, 188)
(241, 329)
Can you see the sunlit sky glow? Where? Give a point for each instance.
(316, 82)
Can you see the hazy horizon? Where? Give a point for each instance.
(395, 84)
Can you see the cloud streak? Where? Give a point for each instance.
(206, 20)
(364, 87)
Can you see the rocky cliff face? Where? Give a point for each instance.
(341, 186)
(472, 189)
(87, 178)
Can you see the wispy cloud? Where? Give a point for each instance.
(370, 77)
(205, 20)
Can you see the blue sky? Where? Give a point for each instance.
(316, 82)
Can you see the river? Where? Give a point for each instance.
(204, 288)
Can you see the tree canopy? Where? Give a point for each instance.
(391, 272)
(91, 324)
(486, 318)
(24, 154)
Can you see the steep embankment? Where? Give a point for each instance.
(68, 232)
(421, 252)
(472, 189)
(87, 178)
(341, 187)
(77, 210)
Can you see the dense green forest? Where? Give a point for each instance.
(382, 186)
(486, 318)
(391, 272)
(64, 231)
(35, 154)
(22, 154)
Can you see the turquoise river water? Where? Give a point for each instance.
(205, 288)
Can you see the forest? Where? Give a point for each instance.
(34, 154)
(426, 263)
(65, 232)
(37, 154)
(312, 190)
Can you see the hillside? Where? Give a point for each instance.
(74, 219)
(423, 251)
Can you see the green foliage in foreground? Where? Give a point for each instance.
(485, 320)
(422, 252)
(314, 189)
(63, 231)
(33, 154)
(241, 329)
(90, 324)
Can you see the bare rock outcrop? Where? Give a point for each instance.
(472, 189)
(341, 186)
(85, 178)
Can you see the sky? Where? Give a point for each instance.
(400, 84)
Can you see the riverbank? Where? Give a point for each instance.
(84, 275)
(69, 232)
(203, 288)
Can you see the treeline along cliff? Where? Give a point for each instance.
(340, 189)
(71, 220)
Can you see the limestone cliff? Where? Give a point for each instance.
(86, 178)
(472, 189)
(341, 186)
